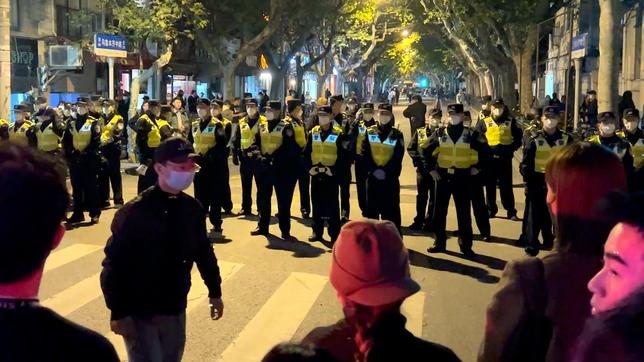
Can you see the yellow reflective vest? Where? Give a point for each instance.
(298, 131)
(422, 139)
(81, 138)
(381, 151)
(324, 152)
(638, 154)
(247, 133)
(619, 151)
(204, 140)
(544, 151)
(107, 136)
(154, 136)
(362, 133)
(271, 140)
(48, 141)
(19, 135)
(455, 154)
(498, 134)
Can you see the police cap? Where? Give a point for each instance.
(165, 108)
(324, 109)
(174, 149)
(631, 112)
(367, 106)
(250, 101)
(486, 99)
(435, 112)
(217, 102)
(21, 108)
(385, 107)
(204, 101)
(455, 108)
(550, 111)
(336, 98)
(153, 103)
(606, 116)
(95, 98)
(274, 105)
(498, 102)
(292, 104)
(82, 100)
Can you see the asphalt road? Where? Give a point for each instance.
(278, 291)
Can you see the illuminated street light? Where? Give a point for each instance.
(405, 33)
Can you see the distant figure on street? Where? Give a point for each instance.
(192, 102)
(589, 108)
(416, 112)
(625, 103)
(29, 331)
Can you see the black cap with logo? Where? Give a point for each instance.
(455, 108)
(174, 149)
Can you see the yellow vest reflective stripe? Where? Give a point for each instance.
(324, 152)
(106, 135)
(362, 132)
(620, 152)
(154, 136)
(454, 155)
(498, 134)
(204, 140)
(298, 131)
(47, 139)
(638, 154)
(423, 139)
(19, 135)
(381, 152)
(271, 141)
(544, 151)
(81, 138)
(595, 139)
(247, 133)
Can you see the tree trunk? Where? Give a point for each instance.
(163, 60)
(609, 45)
(278, 84)
(229, 81)
(488, 84)
(5, 59)
(505, 87)
(523, 62)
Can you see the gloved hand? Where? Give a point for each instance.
(379, 174)
(435, 175)
(313, 171)
(474, 171)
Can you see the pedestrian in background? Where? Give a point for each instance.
(416, 113)
(625, 103)
(552, 291)
(156, 238)
(589, 108)
(370, 273)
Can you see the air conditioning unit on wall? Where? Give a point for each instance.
(65, 57)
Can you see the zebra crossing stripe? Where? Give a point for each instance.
(76, 296)
(277, 320)
(71, 253)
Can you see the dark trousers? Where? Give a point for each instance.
(383, 200)
(111, 174)
(539, 215)
(477, 196)
(526, 217)
(500, 173)
(157, 339)
(361, 186)
(148, 180)
(247, 171)
(209, 185)
(227, 201)
(345, 193)
(425, 197)
(265, 178)
(326, 204)
(83, 174)
(284, 189)
(457, 186)
(304, 184)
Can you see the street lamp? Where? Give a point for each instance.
(405, 33)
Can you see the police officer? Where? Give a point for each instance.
(352, 110)
(608, 138)
(151, 129)
(504, 137)
(270, 139)
(536, 153)
(294, 117)
(325, 156)
(358, 133)
(110, 149)
(477, 185)
(49, 131)
(22, 131)
(216, 112)
(4, 129)
(81, 142)
(534, 117)
(634, 135)
(454, 147)
(426, 188)
(383, 152)
(486, 109)
(341, 120)
(210, 138)
(246, 153)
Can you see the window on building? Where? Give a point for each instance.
(15, 15)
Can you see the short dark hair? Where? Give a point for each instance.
(622, 207)
(292, 352)
(34, 201)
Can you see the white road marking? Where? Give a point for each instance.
(412, 308)
(71, 253)
(76, 296)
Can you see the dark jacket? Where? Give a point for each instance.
(416, 114)
(391, 342)
(567, 304)
(155, 240)
(143, 128)
(422, 164)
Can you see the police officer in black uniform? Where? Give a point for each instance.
(426, 187)
(22, 131)
(608, 138)
(81, 142)
(357, 134)
(453, 147)
(216, 106)
(151, 130)
(341, 120)
(384, 148)
(295, 114)
(534, 117)
(110, 149)
(536, 153)
(634, 135)
(477, 187)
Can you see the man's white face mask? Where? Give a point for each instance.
(324, 119)
(455, 119)
(607, 129)
(383, 119)
(497, 112)
(202, 113)
(550, 123)
(368, 115)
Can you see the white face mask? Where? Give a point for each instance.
(368, 116)
(630, 126)
(383, 119)
(67, 112)
(202, 113)
(106, 110)
(497, 112)
(351, 107)
(550, 123)
(227, 113)
(269, 115)
(324, 119)
(435, 122)
(215, 112)
(19, 116)
(180, 180)
(82, 111)
(74, 114)
(485, 107)
(607, 129)
(455, 119)
(251, 111)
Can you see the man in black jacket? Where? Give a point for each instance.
(416, 113)
(146, 272)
